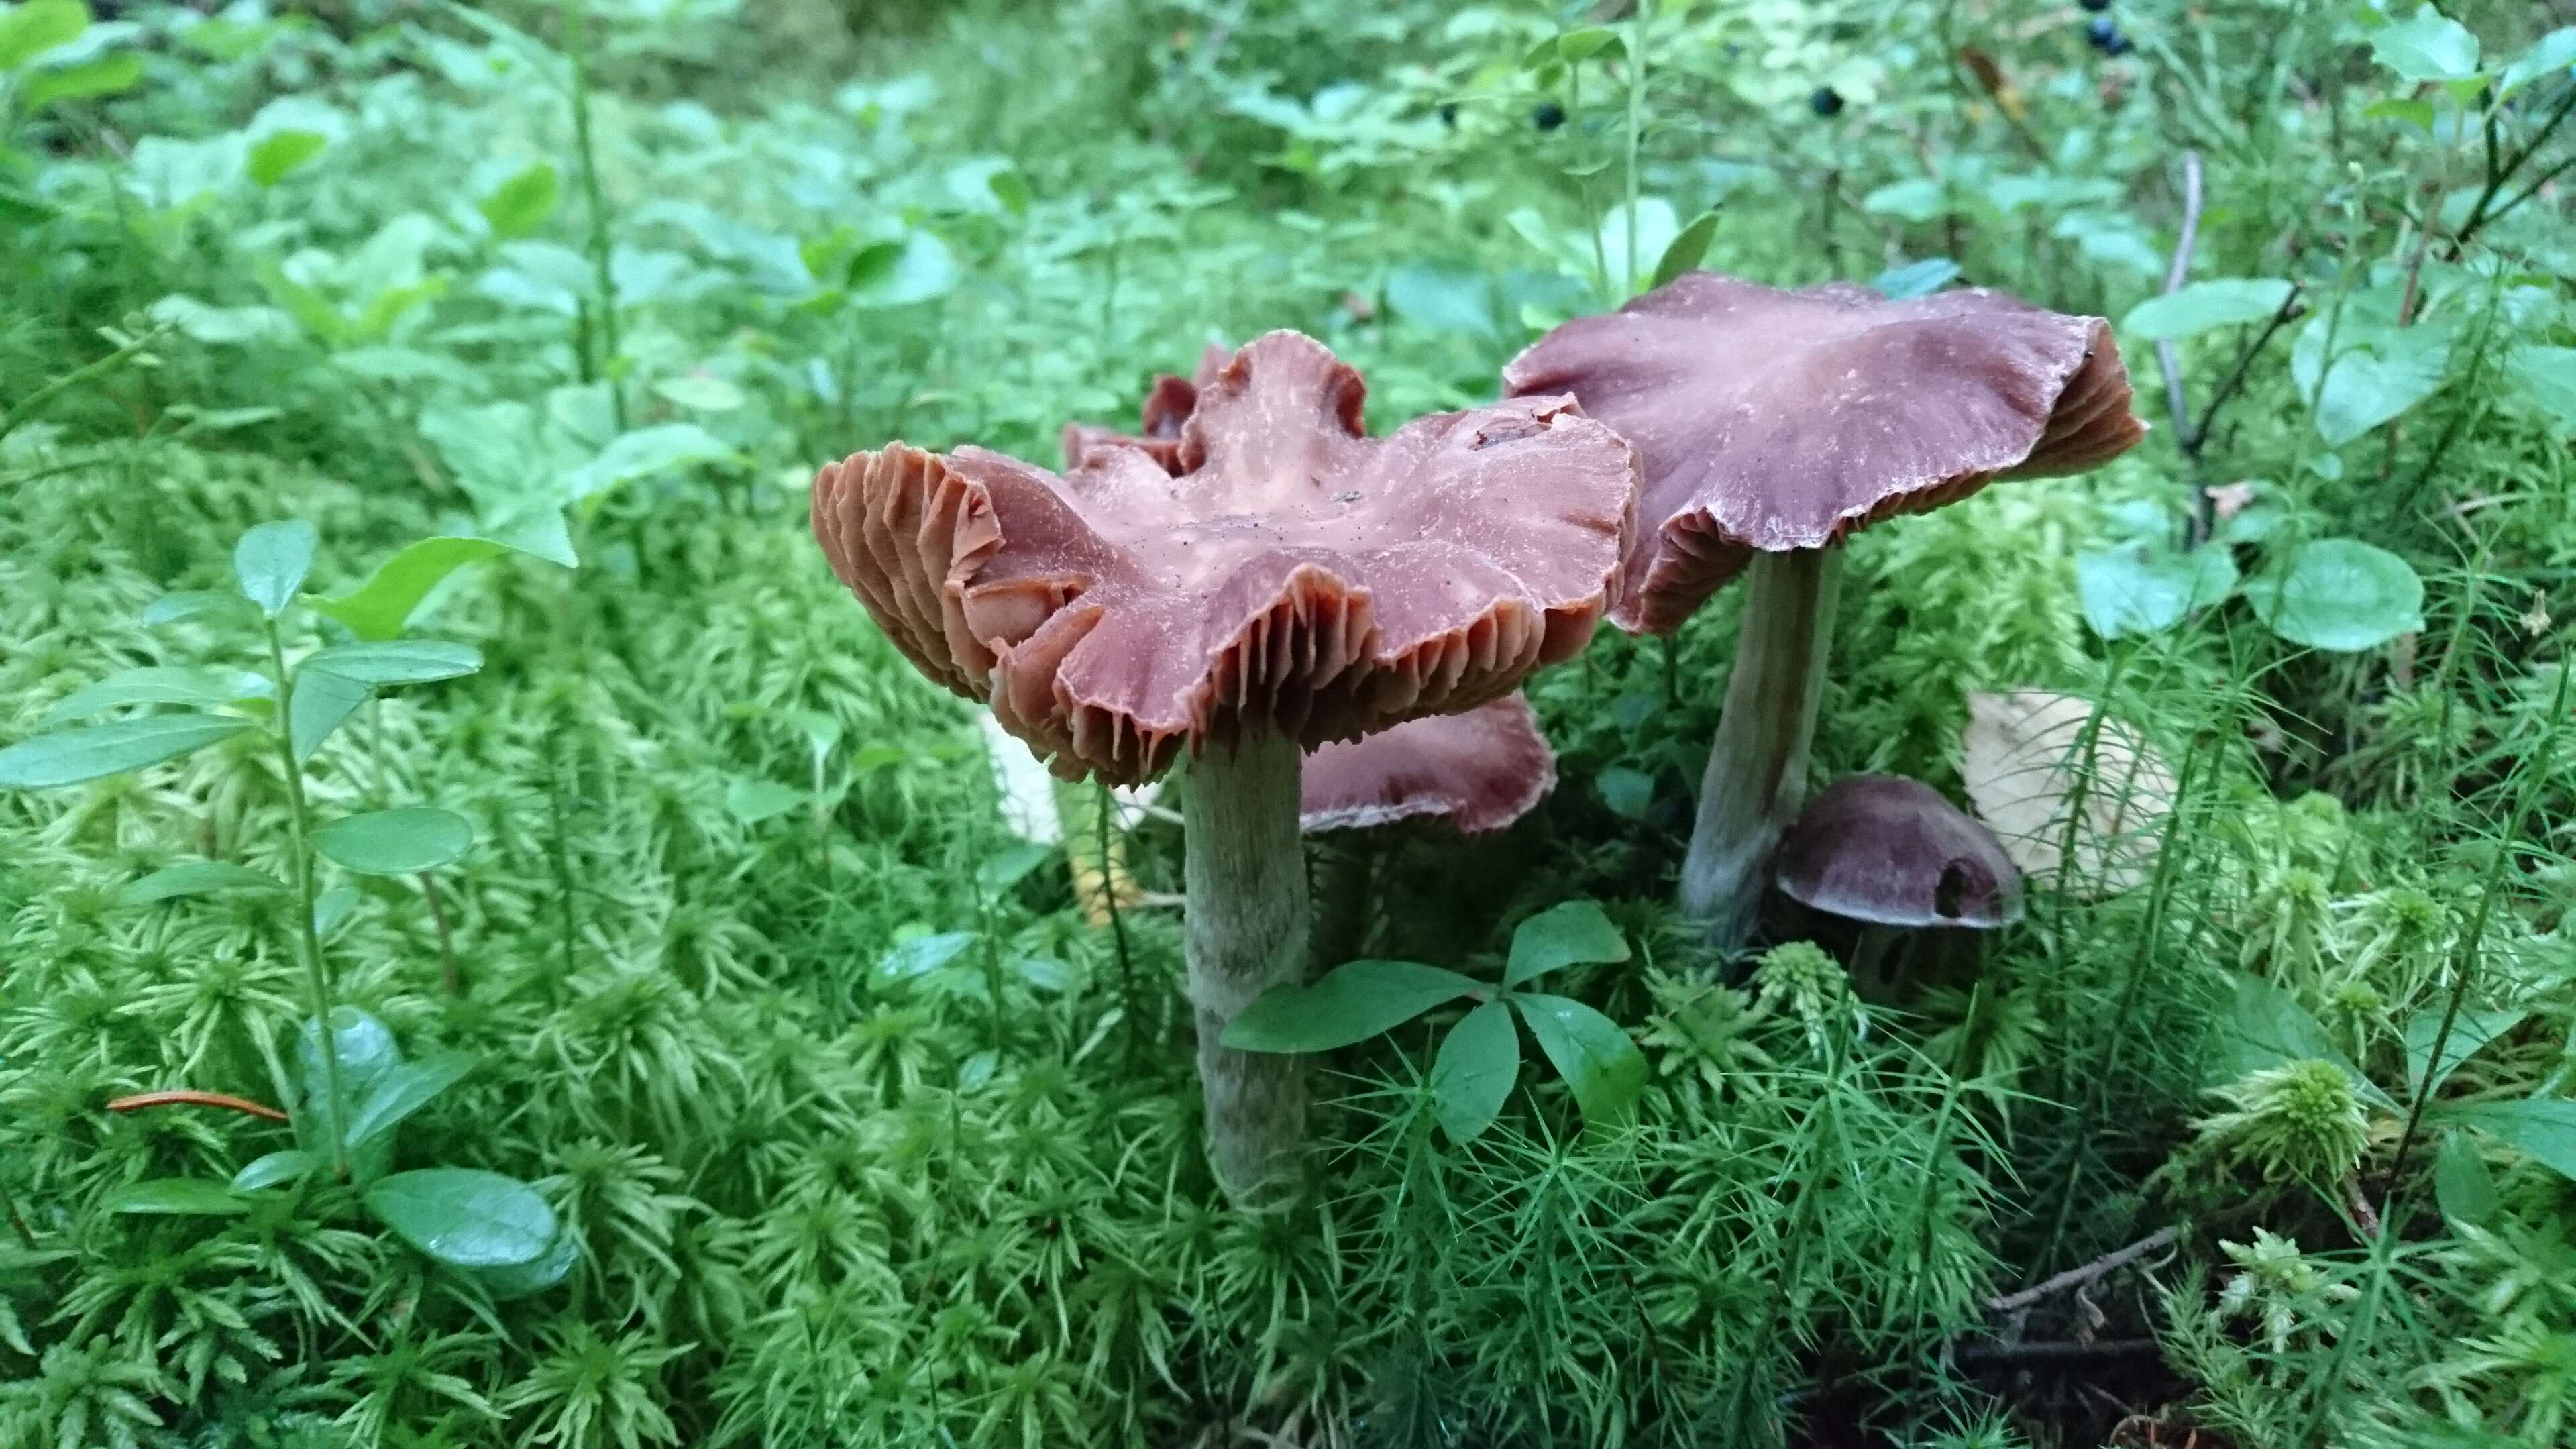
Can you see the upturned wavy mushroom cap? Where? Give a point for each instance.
(1476, 771)
(1168, 405)
(1296, 576)
(1771, 420)
(1891, 851)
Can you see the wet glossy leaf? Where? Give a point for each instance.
(1595, 1057)
(511, 1281)
(465, 1217)
(1473, 1075)
(402, 1091)
(273, 1169)
(1575, 933)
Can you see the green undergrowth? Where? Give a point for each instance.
(860, 1132)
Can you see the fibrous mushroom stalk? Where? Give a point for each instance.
(1245, 873)
(1757, 769)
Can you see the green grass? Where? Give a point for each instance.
(819, 1195)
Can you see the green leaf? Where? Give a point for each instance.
(1473, 1075)
(1658, 227)
(405, 1090)
(277, 1167)
(332, 907)
(279, 153)
(1011, 189)
(520, 205)
(2462, 1184)
(2417, 113)
(158, 684)
(1354, 1001)
(171, 608)
(701, 392)
(398, 661)
(1916, 279)
(1628, 793)
(320, 703)
(1442, 299)
(2546, 378)
(2265, 1028)
(2339, 595)
(1007, 868)
(510, 1281)
(271, 561)
(195, 878)
(1575, 933)
(402, 841)
(38, 26)
(922, 955)
(378, 608)
(174, 1196)
(2203, 306)
(641, 453)
(1595, 1057)
(2470, 1032)
(106, 76)
(1593, 40)
(68, 757)
(920, 269)
(464, 1217)
(1686, 249)
(2143, 590)
(753, 801)
(2426, 46)
(2379, 374)
(2554, 52)
(2544, 1130)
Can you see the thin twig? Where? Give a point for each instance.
(2174, 278)
(2480, 215)
(2197, 436)
(2087, 1273)
(2050, 1350)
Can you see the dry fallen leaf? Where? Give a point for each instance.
(2025, 754)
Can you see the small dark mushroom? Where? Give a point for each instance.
(1892, 854)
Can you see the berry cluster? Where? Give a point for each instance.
(2102, 31)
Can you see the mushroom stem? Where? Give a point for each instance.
(1757, 768)
(1247, 929)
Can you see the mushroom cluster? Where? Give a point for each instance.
(1331, 629)
(1775, 424)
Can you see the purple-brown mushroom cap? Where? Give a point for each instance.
(1772, 420)
(1297, 576)
(1892, 852)
(1476, 771)
(1168, 405)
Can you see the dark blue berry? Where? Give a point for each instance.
(1449, 113)
(1548, 116)
(2118, 46)
(1826, 101)
(2096, 6)
(2104, 34)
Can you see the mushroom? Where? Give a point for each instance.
(1296, 583)
(1890, 853)
(1168, 404)
(1473, 772)
(1773, 424)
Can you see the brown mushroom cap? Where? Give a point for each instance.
(1296, 576)
(1480, 770)
(1891, 851)
(1771, 420)
(1168, 405)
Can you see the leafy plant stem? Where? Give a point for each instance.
(1636, 125)
(2480, 213)
(2465, 957)
(449, 976)
(1105, 806)
(575, 50)
(316, 977)
(17, 1218)
(43, 397)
